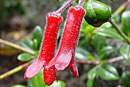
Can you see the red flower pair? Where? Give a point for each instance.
(66, 52)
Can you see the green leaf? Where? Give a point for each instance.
(27, 43)
(92, 78)
(18, 85)
(125, 52)
(35, 44)
(108, 72)
(87, 29)
(106, 25)
(29, 83)
(58, 84)
(91, 83)
(98, 42)
(106, 52)
(92, 73)
(25, 57)
(116, 18)
(125, 22)
(82, 54)
(37, 34)
(40, 79)
(84, 43)
(126, 78)
(37, 54)
(36, 81)
(109, 32)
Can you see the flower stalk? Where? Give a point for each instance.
(15, 70)
(119, 31)
(16, 46)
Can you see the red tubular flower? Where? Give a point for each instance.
(47, 50)
(66, 52)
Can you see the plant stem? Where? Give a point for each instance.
(16, 46)
(13, 71)
(19, 68)
(78, 61)
(118, 30)
(115, 59)
(87, 62)
(111, 60)
(64, 6)
(122, 7)
(81, 2)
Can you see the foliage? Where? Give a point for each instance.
(92, 46)
(125, 78)
(10, 6)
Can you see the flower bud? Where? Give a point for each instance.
(96, 12)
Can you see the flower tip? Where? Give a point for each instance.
(56, 79)
(48, 83)
(77, 76)
(26, 77)
(60, 67)
(26, 68)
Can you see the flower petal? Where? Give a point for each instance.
(34, 68)
(61, 61)
(73, 67)
(49, 75)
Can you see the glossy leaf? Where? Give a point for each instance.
(25, 57)
(126, 78)
(37, 54)
(106, 25)
(35, 44)
(84, 43)
(98, 42)
(82, 54)
(92, 78)
(58, 84)
(36, 81)
(92, 74)
(40, 78)
(116, 18)
(106, 52)
(27, 43)
(92, 82)
(125, 52)
(29, 83)
(87, 29)
(108, 72)
(125, 22)
(18, 85)
(37, 34)
(109, 32)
